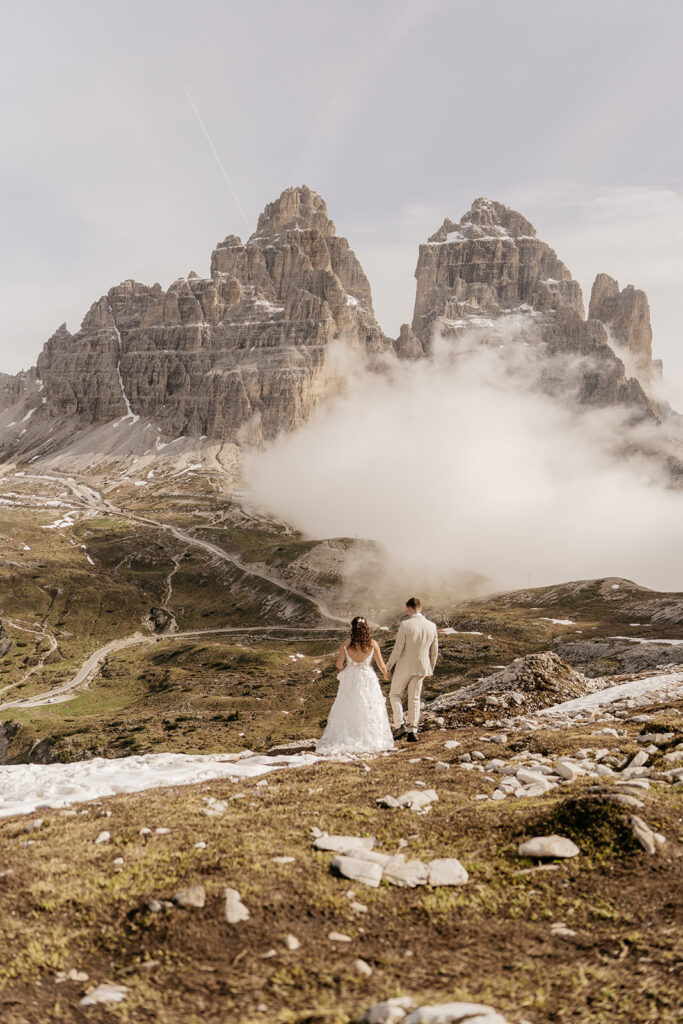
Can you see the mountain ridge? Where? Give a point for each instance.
(242, 355)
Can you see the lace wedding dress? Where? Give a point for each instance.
(358, 722)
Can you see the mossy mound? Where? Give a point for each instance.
(598, 827)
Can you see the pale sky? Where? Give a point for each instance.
(399, 112)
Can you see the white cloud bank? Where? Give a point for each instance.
(454, 462)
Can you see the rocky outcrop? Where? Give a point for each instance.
(491, 266)
(532, 682)
(626, 315)
(242, 352)
(5, 642)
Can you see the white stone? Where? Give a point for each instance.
(103, 837)
(451, 744)
(105, 994)
(235, 910)
(339, 937)
(292, 943)
(447, 871)
(548, 847)
(643, 834)
(529, 777)
(568, 770)
(362, 968)
(498, 794)
(456, 1013)
(408, 875)
(389, 1012)
(283, 860)
(193, 896)
(413, 799)
(639, 759)
(358, 870)
(343, 844)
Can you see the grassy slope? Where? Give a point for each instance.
(488, 941)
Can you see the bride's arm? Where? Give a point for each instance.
(341, 658)
(379, 660)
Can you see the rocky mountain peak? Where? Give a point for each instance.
(626, 315)
(297, 209)
(491, 265)
(485, 219)
(240, 354)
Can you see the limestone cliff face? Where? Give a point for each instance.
(239, 353)
(626, 315)
(242, 354)
(491, 265)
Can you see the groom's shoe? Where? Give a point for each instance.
(412, 736)
(400, 732)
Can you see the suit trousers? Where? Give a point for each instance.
(399, 684)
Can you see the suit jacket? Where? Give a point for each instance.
(416, 648)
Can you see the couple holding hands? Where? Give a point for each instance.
(358, 721)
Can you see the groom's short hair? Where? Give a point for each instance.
(415, 603)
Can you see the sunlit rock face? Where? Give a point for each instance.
(490, 267)
(239, 353)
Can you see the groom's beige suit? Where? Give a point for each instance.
(414, 655)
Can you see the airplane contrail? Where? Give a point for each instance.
(218, 159)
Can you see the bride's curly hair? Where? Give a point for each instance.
(361, 636)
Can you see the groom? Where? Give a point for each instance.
(414, 655)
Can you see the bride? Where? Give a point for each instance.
(358, 722)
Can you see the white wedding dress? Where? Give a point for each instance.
(358, 722)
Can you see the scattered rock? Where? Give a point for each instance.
(391, 1011)
(644, 834)
(446, 871)
(339, 937)
(71, 975)
(548, 847)
(105, 994)
(283, 860)
(103, 837)
(214, 808)
(358, 870)
(362, 968)
(408, 875)
(235, 910)
(560, 930)
(456, 1013)
(192, 897)
(414, 799)
(297, 747)
(640, 759)
(292, 943)
(343, 844)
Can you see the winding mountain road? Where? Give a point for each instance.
(92, 499)
(92, 664)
